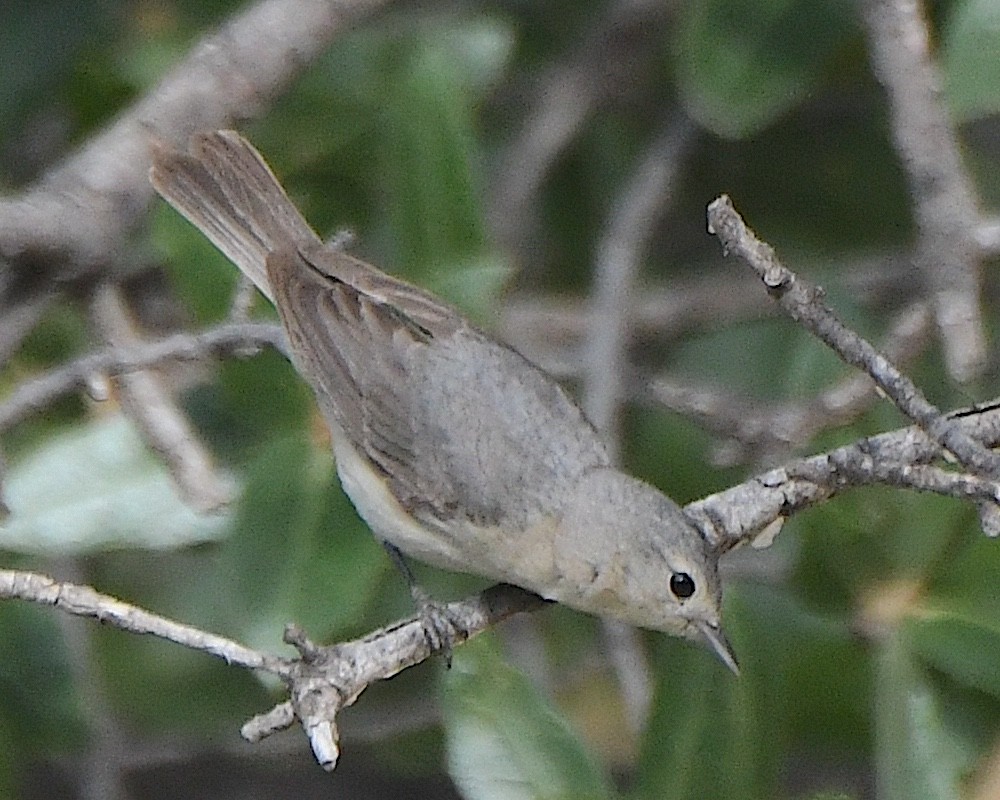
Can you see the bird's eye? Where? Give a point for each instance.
(681, 585)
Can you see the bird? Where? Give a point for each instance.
(454, 448)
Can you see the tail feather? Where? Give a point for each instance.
(225, 189)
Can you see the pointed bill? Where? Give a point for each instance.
(716, 639)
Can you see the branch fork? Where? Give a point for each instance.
(804, 303)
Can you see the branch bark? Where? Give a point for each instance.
(34, 395)
(942, 191)
(73, 223)
(804, 303)
(321, 681)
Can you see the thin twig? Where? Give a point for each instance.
(804, 303)
(164, 427)
(619, 255)
(550, 330)
(34, 395)
(562, 98)
(84, 601)
(740, 513)
(752, 432)
(322, 681)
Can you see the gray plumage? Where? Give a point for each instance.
(452, 446)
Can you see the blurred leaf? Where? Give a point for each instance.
(966, 650)
(742, 63)
(296, 552)
(919, 756)
(296, 540)
(39, 708)
(427, 153)
(966, 581)
(694, 739)
(707, 736)
(871, 536)
(816, 650)
(715, 735)
(969, 57)
(9, 761)
(94, 488)
(39, 39)
(205, 278)
(163, 687)
(473, 286)
(255, 400)
(504, 740)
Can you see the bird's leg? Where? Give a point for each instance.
(441, 630)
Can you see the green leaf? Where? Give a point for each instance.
(39, 707)
(473, 286)
(965, 649)
(203, 276)
(39, 40)
(297, 552)
(94, 488)
(919, 755)
(161, 686)
(506, 741)
(969, 57)
(708, 735)
(742, 63)
(427, 153)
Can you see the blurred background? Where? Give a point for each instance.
(545, 166)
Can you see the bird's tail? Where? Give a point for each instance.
(224, 188)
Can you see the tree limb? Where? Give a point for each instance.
(804, 303)
(74, 221)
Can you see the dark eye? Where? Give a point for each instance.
(681, 585)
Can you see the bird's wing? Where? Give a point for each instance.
(458, 424)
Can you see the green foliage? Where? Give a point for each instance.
(873, 643)
(742, 63)
(920, 754)
(43, 39)
(96, 488)
(39, 705)
(971, 69)
(505, 740)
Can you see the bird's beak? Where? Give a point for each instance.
(720, 645)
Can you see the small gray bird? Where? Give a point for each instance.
(453, 447)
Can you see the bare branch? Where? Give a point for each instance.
(741, 512)
(804, 303)
(550, 330)
(753, 432)
(34, 395)
(75, 219)
(321, 682)
(988, 237)
(563, 97)
(619, 255)
(942, 191)
(163, 426)
(83, 601)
